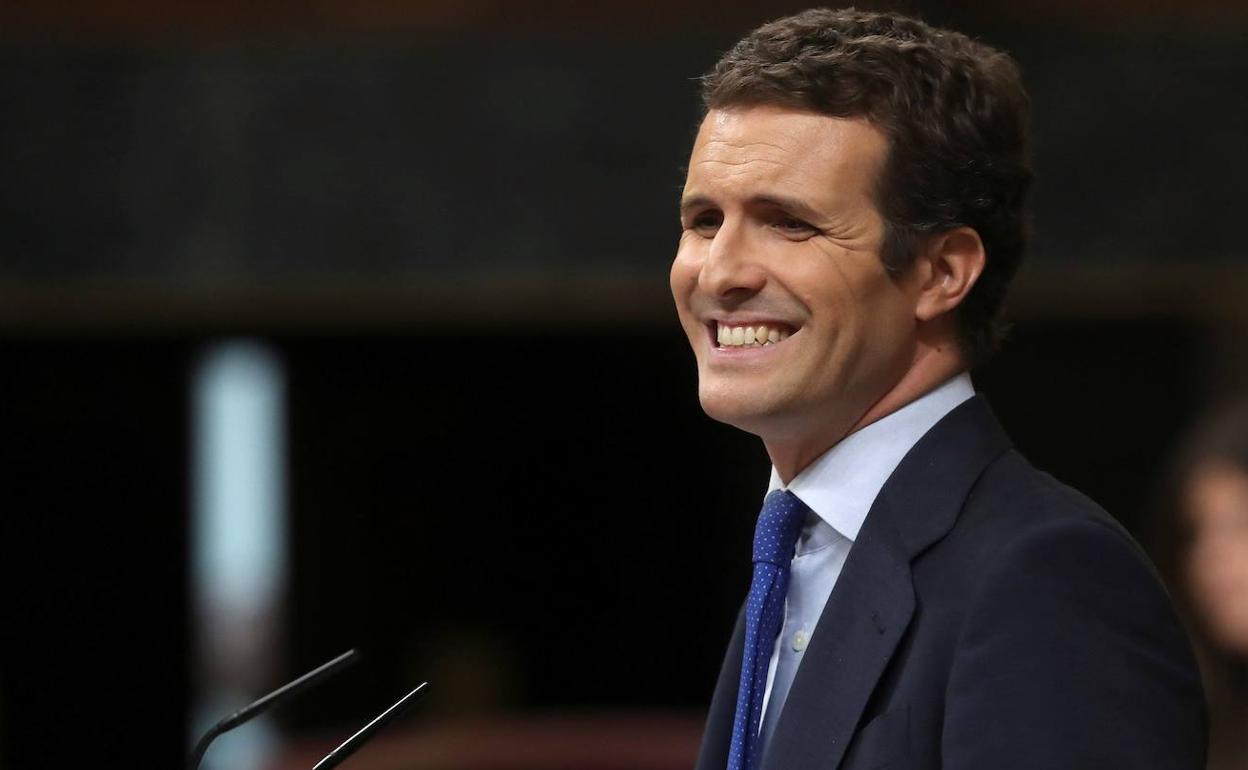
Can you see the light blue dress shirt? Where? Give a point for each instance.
(840, 487)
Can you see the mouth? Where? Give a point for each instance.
(750, 334)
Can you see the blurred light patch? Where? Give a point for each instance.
(239, 541)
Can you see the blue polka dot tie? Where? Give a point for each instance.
(774, 538)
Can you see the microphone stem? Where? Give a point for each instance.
(352, 744)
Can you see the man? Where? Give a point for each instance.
(922, 597)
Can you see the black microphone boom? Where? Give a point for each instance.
(353, 744)
(253, 710)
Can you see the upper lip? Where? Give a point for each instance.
(753, 321)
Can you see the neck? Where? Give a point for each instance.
(934, 364)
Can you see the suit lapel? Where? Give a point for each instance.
(855, 638)
(873, 602)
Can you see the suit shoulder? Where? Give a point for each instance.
(1059, 608)
(1021, 524)
(1012, 499)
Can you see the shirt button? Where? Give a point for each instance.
(800, 640)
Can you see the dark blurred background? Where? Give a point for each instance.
(338, 324)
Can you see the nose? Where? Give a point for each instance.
(731, 268)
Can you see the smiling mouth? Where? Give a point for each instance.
(749, 335)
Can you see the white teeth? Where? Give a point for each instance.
(746, 336)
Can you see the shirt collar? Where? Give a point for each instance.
(842, 483)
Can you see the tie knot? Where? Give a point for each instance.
(779, 524)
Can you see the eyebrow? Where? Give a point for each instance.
(795, 206)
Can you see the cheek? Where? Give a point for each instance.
(865, 312)
(1218, 574)
(683, 280)
(683, 276)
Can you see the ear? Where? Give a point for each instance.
(952, 262)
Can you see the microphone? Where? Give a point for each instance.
(282, 693)
(353, 744)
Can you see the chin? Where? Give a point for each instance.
(740, 409)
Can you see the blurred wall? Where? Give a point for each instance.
(452, 224)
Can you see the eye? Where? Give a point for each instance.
(706, 223)
(792, 227)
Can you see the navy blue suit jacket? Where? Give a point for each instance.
(987, 618)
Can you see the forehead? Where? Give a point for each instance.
(740, 150)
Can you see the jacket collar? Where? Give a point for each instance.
(841, 484)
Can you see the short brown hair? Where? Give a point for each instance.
(955, 114)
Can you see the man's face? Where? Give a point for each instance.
(780, 232)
